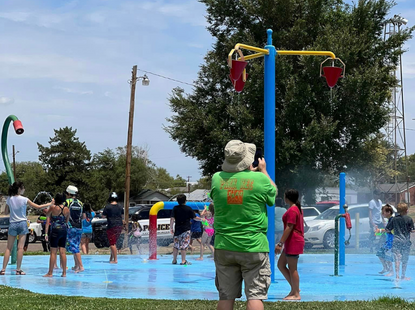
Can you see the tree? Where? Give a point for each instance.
(159, 179)
(66, 161)
(318, 131)
(108, 173)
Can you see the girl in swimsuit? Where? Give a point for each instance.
(58, 218)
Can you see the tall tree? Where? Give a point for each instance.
(318, 131)
(66, 161)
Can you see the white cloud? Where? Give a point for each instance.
(15, 16)
(6, 100)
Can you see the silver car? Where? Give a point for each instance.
(321, 230)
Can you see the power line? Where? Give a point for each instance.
(165, 77)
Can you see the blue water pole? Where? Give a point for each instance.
(342, 258)
(269, 137)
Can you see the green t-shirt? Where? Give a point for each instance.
(240, 201)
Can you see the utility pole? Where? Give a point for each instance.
(129, 147)
(188, 184)
(14, 163)
(396, 129)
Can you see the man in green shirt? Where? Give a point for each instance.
(241, 194)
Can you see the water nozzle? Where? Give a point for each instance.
(18, 127)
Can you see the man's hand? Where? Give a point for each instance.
(172, 231)
(262, 166)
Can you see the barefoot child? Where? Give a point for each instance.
(58, 216)
(134, 234)
(291, 244)
(402, 226)
(207, 216)
(385, 252)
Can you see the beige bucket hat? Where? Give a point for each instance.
(238, 156)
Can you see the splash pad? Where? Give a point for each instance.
(136, 277)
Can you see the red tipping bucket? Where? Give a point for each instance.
(332, 75)
(238, 67)
(238, 84)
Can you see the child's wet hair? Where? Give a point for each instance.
(402, 207)
(388, 209)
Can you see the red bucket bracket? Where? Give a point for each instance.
(332, 73)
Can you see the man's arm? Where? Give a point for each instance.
(262, 167)
(171, 225)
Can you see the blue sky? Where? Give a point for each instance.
(67, 63)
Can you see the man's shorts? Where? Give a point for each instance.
(18, 228)
(73, 240)
(182, 241)
(233, 267)
(87, 235)
(113, 234)
(196, 235)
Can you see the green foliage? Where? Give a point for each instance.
(13, 298)
(401, 165)
(66, 161)
(318, 131)
(31, 174)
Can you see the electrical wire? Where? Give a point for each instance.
(165, 77)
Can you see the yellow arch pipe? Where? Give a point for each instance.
(156, 208)
(307, 53)
(252, 56)
(251, 48)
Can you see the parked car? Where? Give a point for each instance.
(324, 205)
(321, 229)
(4, 227)
(310, 213)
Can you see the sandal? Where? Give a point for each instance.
(2, 272)
(20, 273)
(186, 263)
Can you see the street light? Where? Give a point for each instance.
(145, 80)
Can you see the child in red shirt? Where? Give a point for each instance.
(292, 241)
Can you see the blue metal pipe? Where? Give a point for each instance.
(169, 205)
(342, 247)
(269, 137)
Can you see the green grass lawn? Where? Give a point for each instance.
(12, 298)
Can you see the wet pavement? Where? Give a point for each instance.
(137, 277)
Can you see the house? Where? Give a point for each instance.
(361, 195)
(196, 195)
(395, 193)
(148, 196)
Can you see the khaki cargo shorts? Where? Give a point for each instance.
(233, 267)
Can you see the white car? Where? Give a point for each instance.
(37, 232)
(321, 229)
(310, 213)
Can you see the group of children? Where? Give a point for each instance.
(202, 230)
(397, 246)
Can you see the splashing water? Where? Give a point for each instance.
(43, 193)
